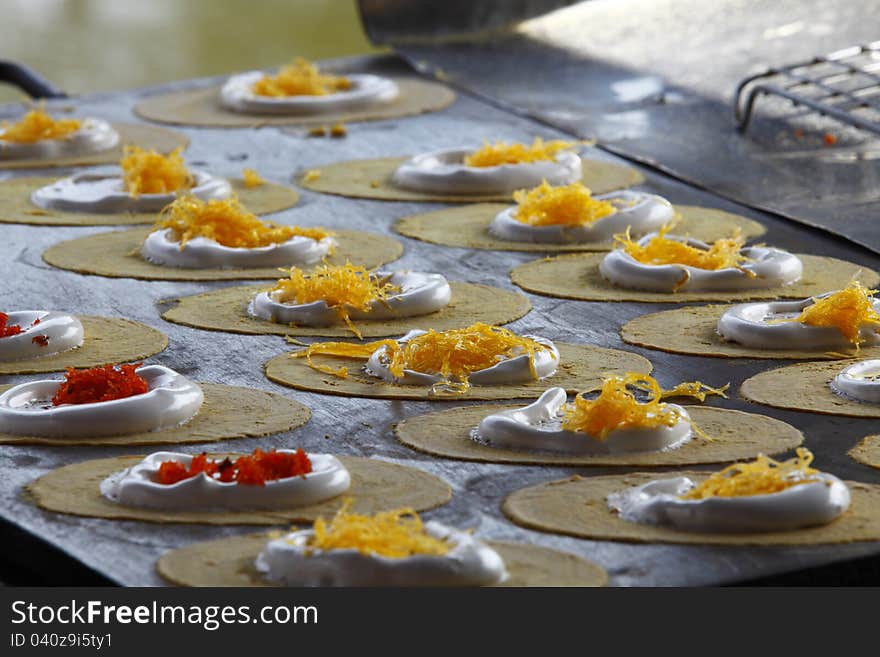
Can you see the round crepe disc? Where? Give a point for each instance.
(201, 107)
(805, 387)
(581, 366)
(691, 330)
(226, 310)
(578, 507)
(467, 227)
(228, 412)
(737, 436)
(372, 179)
(375, 486)
(230, 562)
(105, 340)
(577, 276)
(148, 137)
(116, 254)
(867, 451)
(16, 206)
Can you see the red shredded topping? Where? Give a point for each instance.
(42, 340)
(100, 384)
(8, 330)
(252, 470)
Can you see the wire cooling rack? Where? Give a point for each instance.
(844, 85)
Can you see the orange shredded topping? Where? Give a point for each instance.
(227, 222)
(616, 407)
(38, 125)
(847, 310)
(149, 172)
(250, 470)
(394, 534)
(41, 340)
(566, 205)
(341, 287)
(493, 155)
(301, 78)
(100, 384)
(252, 178)
(763, 476)
(453, 354)
(660, 250)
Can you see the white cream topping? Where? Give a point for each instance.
(803, 505)
(102, 191)
(420, 294)
(859, 381)
(511, 370)
(161, 248)
(93, 136)
(63, 332)
(760, 325)
(767, 267)
(640, 212)
(171, 400)
(469, 562)
(137, 487)
(366, 91)
(444, 172)
(538, 427)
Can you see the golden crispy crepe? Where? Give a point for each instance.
(201, 107)
(805, 387)
(372, 179)
(105, 340)
(736, 435)
(867, 451)
(466, 226)
(576, 276)
(581, 366)
(228, 412)
(149, 137)
(577, 507)
(691, 330)
(226, 310)
(116, 254)
(16, 207)
(230, 562)
(375, 486)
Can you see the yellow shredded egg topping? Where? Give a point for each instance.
(760, 477)
(493, 155)
(566, 205)
(149, 172)
(846, 310)
(252, 178)
(301, 78)
(453, 354)
(394, 534)
(660, 250)
(227, 222)
(616, 407)
(38, 125)
(341, 287)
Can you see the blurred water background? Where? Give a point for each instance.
(99, 45)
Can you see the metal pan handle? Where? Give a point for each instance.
(29, 81)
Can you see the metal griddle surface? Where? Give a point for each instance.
(653, 80)
(125, 552)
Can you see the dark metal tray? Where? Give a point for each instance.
(61, 549)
